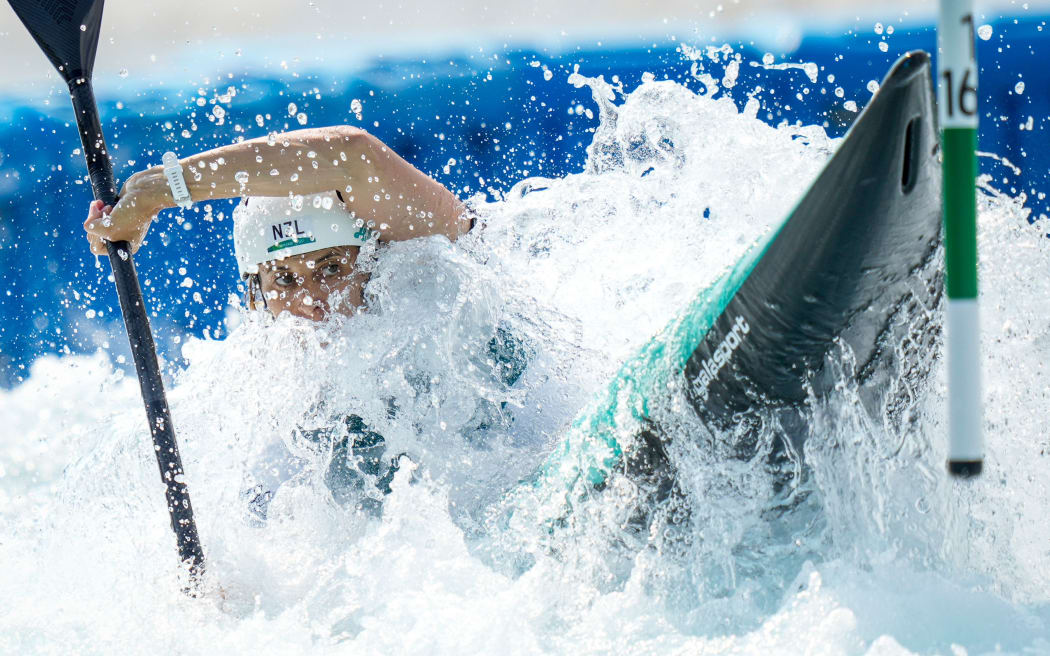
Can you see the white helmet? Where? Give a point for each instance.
(269, 228)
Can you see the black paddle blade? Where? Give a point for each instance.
(66, 30)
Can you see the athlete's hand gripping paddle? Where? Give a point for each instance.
(67, 31)
(957, 104)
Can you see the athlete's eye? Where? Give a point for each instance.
(331, 269)
(285, 279)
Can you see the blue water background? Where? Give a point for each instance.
(494, 113)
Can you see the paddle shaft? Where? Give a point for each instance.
(957, 105)
(143, 349)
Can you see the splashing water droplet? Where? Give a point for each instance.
(883, 46)
(292, 109)
(1019, 88)
(241, 177)
(850, 106)
(985, 32)
(301, 117)
(123, 72)
(873, 86)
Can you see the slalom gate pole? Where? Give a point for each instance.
(67, 31)
(957, 108)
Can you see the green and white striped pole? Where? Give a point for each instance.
(957, 100)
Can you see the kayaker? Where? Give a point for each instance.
(311, 198)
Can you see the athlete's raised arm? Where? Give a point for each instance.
(376, 184)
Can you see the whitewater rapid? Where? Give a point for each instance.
(583, 270)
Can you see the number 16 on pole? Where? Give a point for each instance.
(957, 107)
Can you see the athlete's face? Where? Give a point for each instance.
(303, 284)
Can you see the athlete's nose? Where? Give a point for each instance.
(320, 310)
(314, 303)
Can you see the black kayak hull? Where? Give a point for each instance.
(851, 273)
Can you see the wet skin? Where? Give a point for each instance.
(304, 284)
(301, 284)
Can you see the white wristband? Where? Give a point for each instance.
(173, 172)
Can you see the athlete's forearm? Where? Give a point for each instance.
(379, 186)
(299, 162)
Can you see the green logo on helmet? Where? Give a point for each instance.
(288, 243)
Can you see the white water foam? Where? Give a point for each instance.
(581, 271)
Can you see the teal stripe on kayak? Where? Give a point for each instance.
(591, 448)
(960, 211)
